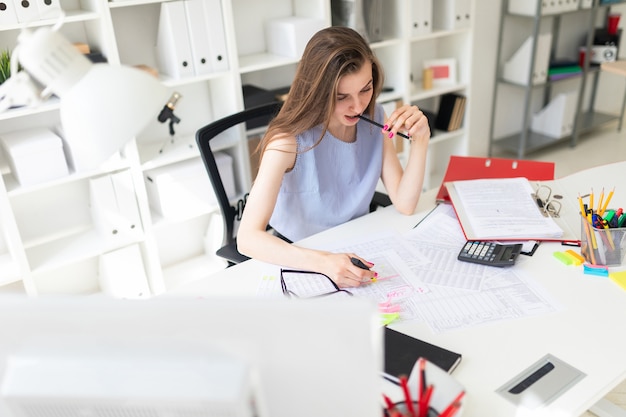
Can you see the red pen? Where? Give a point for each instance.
(451, 409)
(421, 386)
(390, 405)
(424, 402)
(407, 395)
(391, 408)
(422, 376)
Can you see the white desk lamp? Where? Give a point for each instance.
(101, 106)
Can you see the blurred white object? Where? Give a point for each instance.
(102, 106)
(17, 91)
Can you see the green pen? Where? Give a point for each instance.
(622, 220)
(609, 215)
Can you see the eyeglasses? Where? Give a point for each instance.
(308, 284)
(547, 203)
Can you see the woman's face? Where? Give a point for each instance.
(354, 93)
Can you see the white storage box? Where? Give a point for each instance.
(289, 35)
(529, 7)
(35, 155)
(557, 118)
(184, 188)
(517, 68)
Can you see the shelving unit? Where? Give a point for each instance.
(49, 240)
(569, 26)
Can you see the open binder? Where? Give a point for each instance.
(470, 168)
(568, 188)
(516, 209)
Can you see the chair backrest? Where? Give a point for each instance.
(204, 135)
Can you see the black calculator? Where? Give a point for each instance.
(490, 253)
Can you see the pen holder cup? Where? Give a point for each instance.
(446, 389)
(602, 246)
(403, 409)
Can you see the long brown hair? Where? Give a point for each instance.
(330, 54)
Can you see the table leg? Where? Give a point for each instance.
(621, 116)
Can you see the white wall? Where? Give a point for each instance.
(486, 26)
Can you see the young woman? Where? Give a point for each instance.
(320, 163)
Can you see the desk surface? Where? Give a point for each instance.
(616, 67)
(588, 333)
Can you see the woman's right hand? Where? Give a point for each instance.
(340, 268)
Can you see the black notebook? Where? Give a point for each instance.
(402, 351)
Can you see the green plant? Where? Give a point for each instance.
(5, 65)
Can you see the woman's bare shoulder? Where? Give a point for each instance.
(282, 142)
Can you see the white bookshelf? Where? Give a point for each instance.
(49, 243)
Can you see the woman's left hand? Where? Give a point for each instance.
(410, 120)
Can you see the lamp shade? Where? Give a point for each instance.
(105, 109)
(102, 106)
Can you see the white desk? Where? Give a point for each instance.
(589, 333)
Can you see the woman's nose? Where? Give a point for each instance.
(356, 106)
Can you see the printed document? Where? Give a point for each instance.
(419, 273)
(502, 208)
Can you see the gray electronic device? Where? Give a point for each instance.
(541, 383)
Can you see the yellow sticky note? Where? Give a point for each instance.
(619, 278)
(387, 318)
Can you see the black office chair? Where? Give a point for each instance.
(232, 214)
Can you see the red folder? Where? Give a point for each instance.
(473, 168)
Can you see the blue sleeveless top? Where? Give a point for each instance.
(330, 184)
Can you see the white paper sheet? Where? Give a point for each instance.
(420, 273)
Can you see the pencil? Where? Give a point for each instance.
(606, 203)
(600, 202)
(587, 226)
(582, 207)
(360, 116)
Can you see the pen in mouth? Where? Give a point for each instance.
(360, 116)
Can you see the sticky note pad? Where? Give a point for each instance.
(578, 259)
(561, 256)
(619, 278)
(387, 318)
(599, 270)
